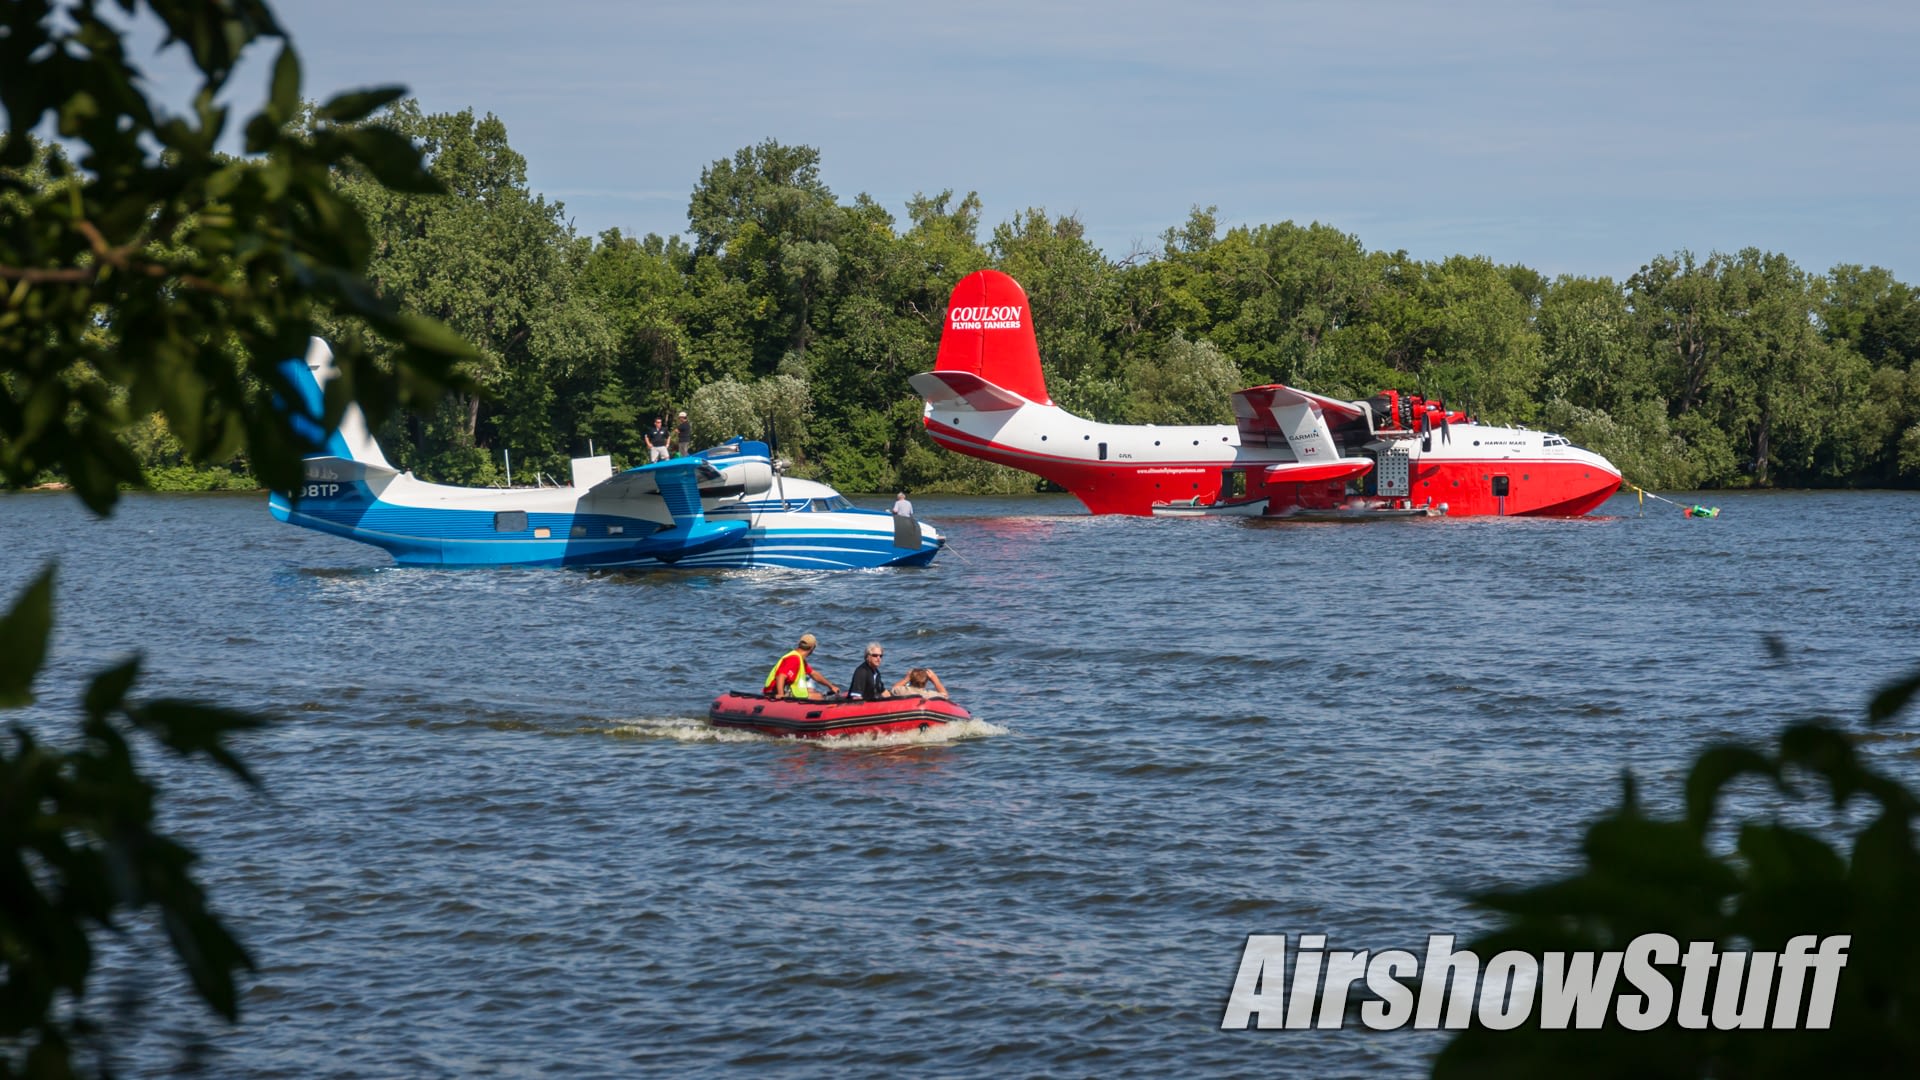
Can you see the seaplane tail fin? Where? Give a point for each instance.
(351, 440)
(989, 335)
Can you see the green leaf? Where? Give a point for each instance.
(356, 105)
(109, 688)
(392, 160)
(1892, 698)
(192, 727)
(1713, 770)
(23, 640)
(284, 99)
(208, 951)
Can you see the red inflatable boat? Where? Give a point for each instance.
(818, 717)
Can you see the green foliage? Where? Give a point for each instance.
(132, 281)
(149, 287)
(1070, 285)
(1641, 443)
(1190, 382)
(1732, 370)
(861, 460)
(499, 265)
(198, 478)
(1647, 874)
(778, 404)
(82, 850)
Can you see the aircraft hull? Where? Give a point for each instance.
(423, 536)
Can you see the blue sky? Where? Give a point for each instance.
(1573, 137)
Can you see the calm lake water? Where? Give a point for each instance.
(498, 839)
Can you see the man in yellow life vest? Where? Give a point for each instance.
(794, 677)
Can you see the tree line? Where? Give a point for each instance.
(793, 313)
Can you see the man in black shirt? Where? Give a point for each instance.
(866, 682)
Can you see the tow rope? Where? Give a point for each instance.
(1694, 511)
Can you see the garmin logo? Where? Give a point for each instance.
(997, 317)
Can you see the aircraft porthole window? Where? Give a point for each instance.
(1084, 438)
(1043, 438)
(1196, 442)
(1156, 442)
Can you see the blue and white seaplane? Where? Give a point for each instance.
(724, 507)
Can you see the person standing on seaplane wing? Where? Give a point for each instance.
(792, 676)
(657, 440)
(866, 678)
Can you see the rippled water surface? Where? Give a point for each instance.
(498, 839)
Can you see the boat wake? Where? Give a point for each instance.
(688, 729)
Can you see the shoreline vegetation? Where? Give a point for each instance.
(795, 316)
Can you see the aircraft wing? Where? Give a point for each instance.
(964, 391)
(1309, 472)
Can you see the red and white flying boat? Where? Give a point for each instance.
(1288, 452)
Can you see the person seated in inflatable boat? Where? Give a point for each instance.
(792, 676)
(921, 682)
(866, 683)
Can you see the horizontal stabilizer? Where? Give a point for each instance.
(333, 481)
(1261, 412)
(964, 391)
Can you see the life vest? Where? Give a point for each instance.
(802, 686)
